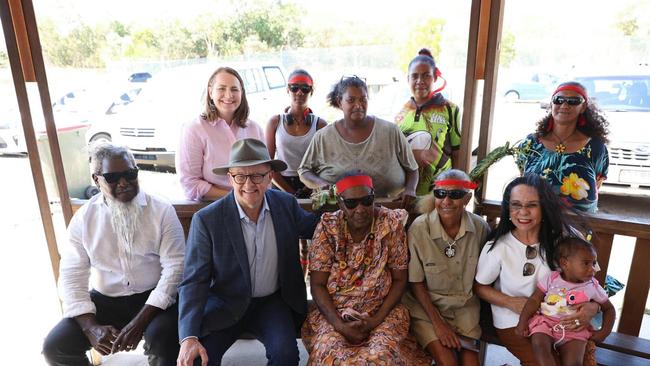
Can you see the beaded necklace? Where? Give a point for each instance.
(341, 256)
(560, 147)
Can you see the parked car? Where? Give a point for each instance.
(625, 99)
(12, 141)
(150, 127)
(527, 87)
(140, 77)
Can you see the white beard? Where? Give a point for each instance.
(124, 219)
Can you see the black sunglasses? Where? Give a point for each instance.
(305, 89)
(352, 203)
(130, 174)
(454, 194)
(529, 268)
(558, 99)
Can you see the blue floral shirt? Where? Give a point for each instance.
(573, 176)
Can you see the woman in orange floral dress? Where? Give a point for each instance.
(358, 261)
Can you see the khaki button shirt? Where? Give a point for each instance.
(448, 280)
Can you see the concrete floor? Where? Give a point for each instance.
(251, 353)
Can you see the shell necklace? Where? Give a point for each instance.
(450, 250)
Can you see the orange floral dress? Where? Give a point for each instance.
(361, 284)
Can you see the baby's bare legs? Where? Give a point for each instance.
(543, 349)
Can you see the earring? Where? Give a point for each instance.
(211, 105)
(582, 120)
(549, 127)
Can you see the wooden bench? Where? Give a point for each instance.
(619, 348)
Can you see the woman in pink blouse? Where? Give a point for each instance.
(206, 141)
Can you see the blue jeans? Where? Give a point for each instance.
(270, 319)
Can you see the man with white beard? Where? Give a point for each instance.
(131, 247)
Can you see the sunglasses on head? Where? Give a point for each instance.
(130, 174)
(352, 203)
(529, 268)
(454, 194)
(558, 99)
(305, 89)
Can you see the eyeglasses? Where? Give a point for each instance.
(529, 268)
(516, 206)
(130, 174)
(573, 101)
(305, 89)
(255, 178)
(352, 203)
(454, 194)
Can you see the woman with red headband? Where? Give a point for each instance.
(568, 149)
(288, 135)
(358, 262)
(430, 122)
(444, 243)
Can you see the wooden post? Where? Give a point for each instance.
(469, 100)
(603, 244)
(44, 92)
(28, 130)
(489, 86)
(636, 294)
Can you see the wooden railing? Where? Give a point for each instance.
(605, 227)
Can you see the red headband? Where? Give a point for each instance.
(353, 181)
(455, 182)
(574, 88)
(301, 79)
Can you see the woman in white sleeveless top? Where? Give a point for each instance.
(288, 135)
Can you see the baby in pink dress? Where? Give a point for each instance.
(555, 298)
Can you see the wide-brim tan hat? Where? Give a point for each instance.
(249, 152)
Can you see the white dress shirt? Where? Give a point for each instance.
(92, 251)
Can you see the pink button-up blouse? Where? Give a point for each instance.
(205, 145)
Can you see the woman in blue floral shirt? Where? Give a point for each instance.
(568, 149)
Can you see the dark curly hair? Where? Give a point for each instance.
(569, 245)
(555, 220)
(596, 126)
(334, 96)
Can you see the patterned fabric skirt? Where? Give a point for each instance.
(388, 344)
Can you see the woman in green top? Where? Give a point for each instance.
(430, 122)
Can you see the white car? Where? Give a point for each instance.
(625, 99)
(151, 126)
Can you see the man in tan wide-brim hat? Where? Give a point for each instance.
(242, 267)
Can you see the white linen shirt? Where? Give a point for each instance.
(91, 251)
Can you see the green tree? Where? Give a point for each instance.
(427, 33)
(144, 44)
(81, 47)
(508, 51)
(4, 59)
(628, 26)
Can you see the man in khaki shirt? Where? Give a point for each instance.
(445, 243)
